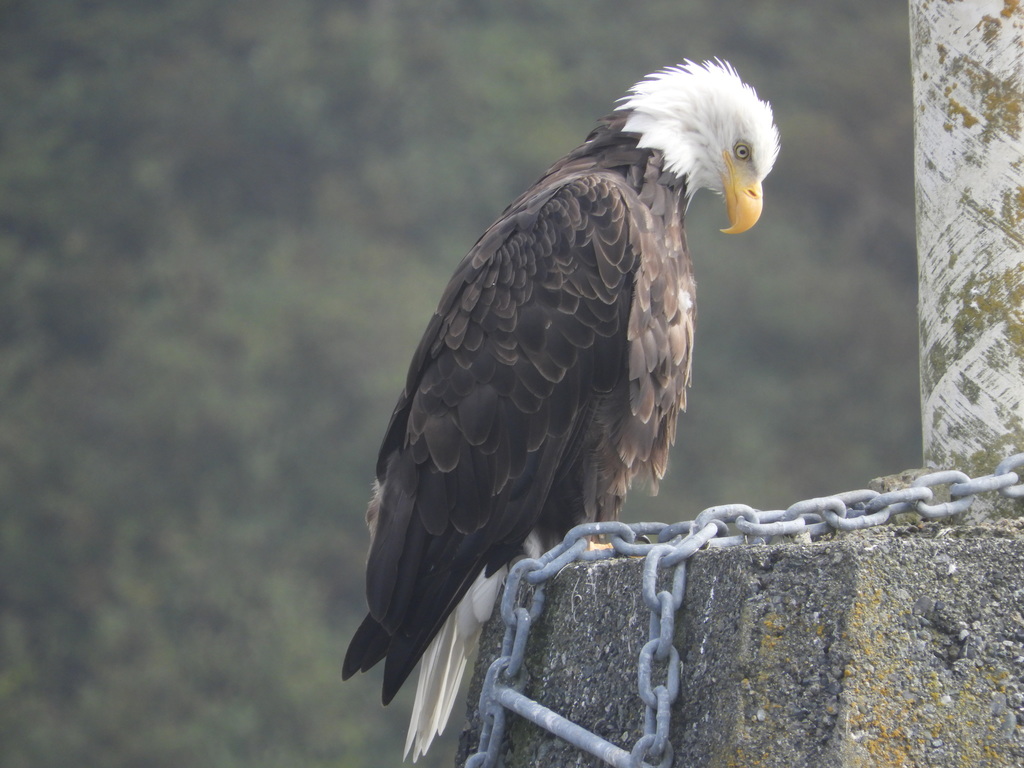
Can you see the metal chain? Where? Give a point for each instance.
(670, 547)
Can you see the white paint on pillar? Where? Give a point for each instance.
(968, 70)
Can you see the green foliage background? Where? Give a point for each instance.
(223, 226)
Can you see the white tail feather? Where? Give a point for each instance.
(445, 660)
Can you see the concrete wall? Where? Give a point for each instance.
(890, 647)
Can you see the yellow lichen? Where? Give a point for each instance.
(1012, 209)
(956, 108)
(986, 301)
(990, 26)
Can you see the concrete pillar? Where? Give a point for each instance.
(887, 647)
(968, 72)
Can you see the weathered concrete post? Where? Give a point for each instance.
(876, 649)
(968, 72)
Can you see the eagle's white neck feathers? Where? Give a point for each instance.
(694, 112)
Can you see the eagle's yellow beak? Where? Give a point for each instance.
(743, 202)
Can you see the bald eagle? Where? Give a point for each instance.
(552, 372)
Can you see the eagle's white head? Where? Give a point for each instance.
(712, 129)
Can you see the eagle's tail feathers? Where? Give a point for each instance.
(445, 660)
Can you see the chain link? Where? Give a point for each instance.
(670, 547)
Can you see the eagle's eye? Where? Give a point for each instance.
(742, 150)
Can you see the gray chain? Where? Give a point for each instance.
(672, 546)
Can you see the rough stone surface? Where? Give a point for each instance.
(890, 647)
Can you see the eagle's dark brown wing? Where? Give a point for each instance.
(497, 420)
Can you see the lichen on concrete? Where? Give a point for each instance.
(901, 646)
